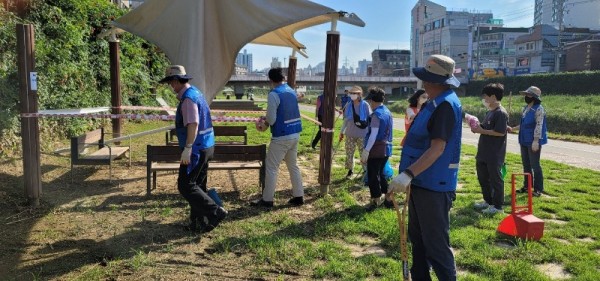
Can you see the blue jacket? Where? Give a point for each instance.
(442, 175)
(288, 114)
(206, 136)
(528, 126)
(386, 127)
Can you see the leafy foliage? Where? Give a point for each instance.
(73, 65)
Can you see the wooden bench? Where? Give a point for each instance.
(226, 157)
(234, 134)
(104, 155)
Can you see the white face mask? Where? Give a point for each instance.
(353, 96)
(485, 103)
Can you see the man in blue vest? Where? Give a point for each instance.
(283, 117)
(196, 139)
(429, 166)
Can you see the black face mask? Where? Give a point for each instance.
(529, 100)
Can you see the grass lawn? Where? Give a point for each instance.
(330, 237)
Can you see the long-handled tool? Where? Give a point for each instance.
(403, 236)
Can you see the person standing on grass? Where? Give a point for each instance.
(378, 148)
(429, 165)
(195, 135)
(355, 126)
(532, 135)
(283, 116)
(414, 106)
(491, 149)
(319, 113)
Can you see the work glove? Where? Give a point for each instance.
(400, 183)
(535, 146)
(185, 155)
(364, 156)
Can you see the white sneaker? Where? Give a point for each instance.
(491, 210)
(481, 205)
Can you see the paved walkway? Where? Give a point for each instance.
(570, 153)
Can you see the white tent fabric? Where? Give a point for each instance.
(205, 36)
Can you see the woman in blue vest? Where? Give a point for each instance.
(355, 126)
(429, 167)
(377, 147)
(196, 139)
(532, 135)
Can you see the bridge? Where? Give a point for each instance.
(393, 85)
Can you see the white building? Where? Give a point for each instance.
(576, 13)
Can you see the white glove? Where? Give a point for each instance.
(400, 183)
(364, 156)
(535, 146)
(185, 155)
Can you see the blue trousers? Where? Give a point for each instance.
(428, 230)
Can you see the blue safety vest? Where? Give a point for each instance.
(206, 136)
(442, 175)
(288, 114)
(528, 126)
(386, 126)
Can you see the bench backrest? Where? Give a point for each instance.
(225, 153)
(231, 131)
(78, 143)
(163, 153)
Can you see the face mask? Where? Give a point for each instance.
(529, 100)
(353, 97)
(485, 103)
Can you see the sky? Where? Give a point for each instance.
(387, 27)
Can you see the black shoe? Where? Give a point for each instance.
(349, 174)
(388, 204)
(537, 193)
(296, 201)
(262, 203)
(371, 207)
(213, 222)
(522, 190)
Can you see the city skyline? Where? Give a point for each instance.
(385, 29)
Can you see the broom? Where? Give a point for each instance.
(402, 226)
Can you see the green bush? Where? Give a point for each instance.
(73, 65)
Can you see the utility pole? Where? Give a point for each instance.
(560, 14)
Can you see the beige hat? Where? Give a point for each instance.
(175, 72)
(439, 69)
(355, 90)
(533, 91)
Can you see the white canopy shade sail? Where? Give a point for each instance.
(205, 36)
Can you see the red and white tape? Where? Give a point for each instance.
(129, 107)
(136, 116)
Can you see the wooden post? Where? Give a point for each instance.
(329, 90)
(115, 84)
(30, 136)
(291, 79)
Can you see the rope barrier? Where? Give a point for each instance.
(135, 116)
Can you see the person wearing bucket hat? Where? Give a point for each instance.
(354, 127)
(429, 166)
(195, 135)
(377, 147)
(491, 149)
(532, 135)
(283, 117)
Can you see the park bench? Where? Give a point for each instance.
(226, 157)
(230, 134)
(104, 155)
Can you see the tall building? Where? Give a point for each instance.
(495, 50)
(391, 62)
(275, 62)
(245, 59)
(575, 13)
(435, 30)
(362, 67)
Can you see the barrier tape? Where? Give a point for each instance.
(327, 130)
(136, 116)
(129, 107)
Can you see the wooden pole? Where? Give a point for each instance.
(329, 90)
(115, 84)
(30, 137)
(291, 79)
